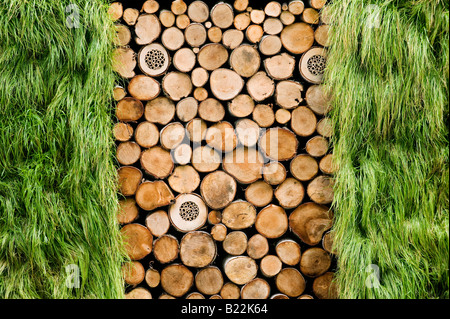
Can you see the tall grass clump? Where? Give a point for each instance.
(388, 71)
(58, 201)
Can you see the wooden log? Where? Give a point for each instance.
(198, 11)
(317, 4)
(150, 6)
(182, 21)
(317, 99)
(225, 84)
(259, 193)
(240, 5)
(270, 45)
(197, 249)
(160, 110)
(195, 35)
(176, 279)
(215, 297)
(278, 144)
(211, 110)
(244, 164)
(138, 241)
(153, 60)
(172, 135)
(240, 269)
(321, 35)
(312, 64)
(195, 295)
(290, 193)
(324, 287)
(200, 94)
(303, 121)
(304, 167)
(129, 178)
(235, 243)
(305, 296)
(115, 11)
(279, 296)
(147, 134)
(245, 60)
(282, 116)
(151, 195)
(167, 18)
(214, 217)
(273, 9)
(218, 190)
(205, 159)
(274, 173)
(178, 7)
(325, 127)
(296, 7)
(257, 16)
(271, 221)
(254, 33)
(326, 164)
(208, 24)
(297, 37)
(310, 16)
(325, 16)
(124, 62)
(186, 109)
(263, 115)
(152, 278)
(241, 106)
(247, 132)
(177, 85)
(222, 15)
(230, 291)
(219, 232)
(284, 6)
(287, 18)
(280, 67)
(199, 77)
(215, 34)
(157, 162)
(209, 280)
(184, 60)
(123, 35)
(128, 153)
(172, 38)
(138, 293)
(158, 223)
(128, 211)
(123, 131)
(147, 29)
(315, 262)
(258, 288)
(232, 38)
(290, 282)
(188, 213)
(309, 221)
(182, 154)
(221, 137)
(288, 94)
(130, 16)
(270, 266)
(317, 146)
(320, 190)
(328, 241)
(166, 249)
(184, 179)
(212, 56)
(272, 26)
(242, 21)
(260, 86)
(143, 87)
(239, 215)
(257, 246)
(288, 251)
(119, 93)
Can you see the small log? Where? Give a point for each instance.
(317, 4)
(195, 35)
(315, 262)
(176, 279)
(297, 37)
(188, 213)
(321, 35)
(296, 7)
(172, 38)
(317, 99)
(239, 215)
(143, 87)
(222, 15)
(279, 296)
(152, 278)
(288, 251)
(325, 16)
(215, 34)
(119, 93)
(197, 249)
(260, 86)
(263, 115)
(177, 85)
(288, 94)
(240, 269)
(310, 16)
(211, 110)
(235, 243)
(312, 65)
(182, 154)
(147, 134)
(326, 164)
(270, 266)
(259, 193)
(130, 16)
(182, 21)
(244, 164)
(240, 5)
(150, 6)
(138, 241)
(147, 29)
(232, 38)
(290, 193)
(167, 18)
(221, 137)
(123, 35)
(138, 293)
(123, 131)
(304, 167)
(280, 67)
(271, 221)
(257, 246)
(184, 60)
(317, 146)
(284, 6)
(186, 109)
(278, 144)
(325, 127)
(225, 84)
(305, 296)
(166, 249)
(247, 132)
(153, 60)
(158, 223)
(245, 60)
(254, 33)
(256, 289)
(257, 16)
(151, 195)
(212, 56)
(309, 221)
(199, 77)
(327, 242)
(272, 26)
(160, 110)
(178, 7)
(219, 232)
(215, 297)
(270, 45)
(209, 280)
(282, 116)
(172, 135)
(214, 217)
(205, 159)
(230, 291)
(287, 18)
(241, 106)
(274, 173)
(128, 211)
(115, 11)
(208, 24)
(273, 9)
(195, 295)
(290, 282)
(242, 21)
(198, 11)
(157, 162)
(128, 153)
(184, 179)
(166, 296)
(324, 287)
(218, 190)
(303, 121)
(200, 94)
(129, 178)
(124, 62)
(320, 190)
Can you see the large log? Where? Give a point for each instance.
(288, 94)
(138, 241)
(272, 221)
(247, 132)
(158, 223)
(270, 45)
(240, 269)
(151, 195)
(177, 85)
(260, 86)
(232, 38)
(244, 164)
(195, 35)
(211, 110)
(196, 130)
(263, 115)
(230, 291)
(290, 282)
(205, 159)
(128, 153)
(176, 279)
(324, 287)
(160, 110)
(124, 62)
(320, 190)
(239, 215)
(128, 211)
(258, 288)
(304, 167)
(280, 67)
(157, 162)
(209, 280)
(257, 246)
(184, 179)
(218, 189)
(241, 106)
(303, 121)
(147, 134)
(274, 173)
(198, 11)
(235, 243)
(166, 249)
(197, 249)
(129, 178)
(245, 60)
(221, 137)
(270, 266)
(288, 251)
(259, 193)
(290, 193)
(147, 29)
(297, 37)
(133, 273)
(279, 144)
(186, 109)
(222, 15)
(225, 84)
(212, 56)
(123, 131)
(315, 262)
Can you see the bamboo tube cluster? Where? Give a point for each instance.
(222, 143)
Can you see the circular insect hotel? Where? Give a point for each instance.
(225, 168)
